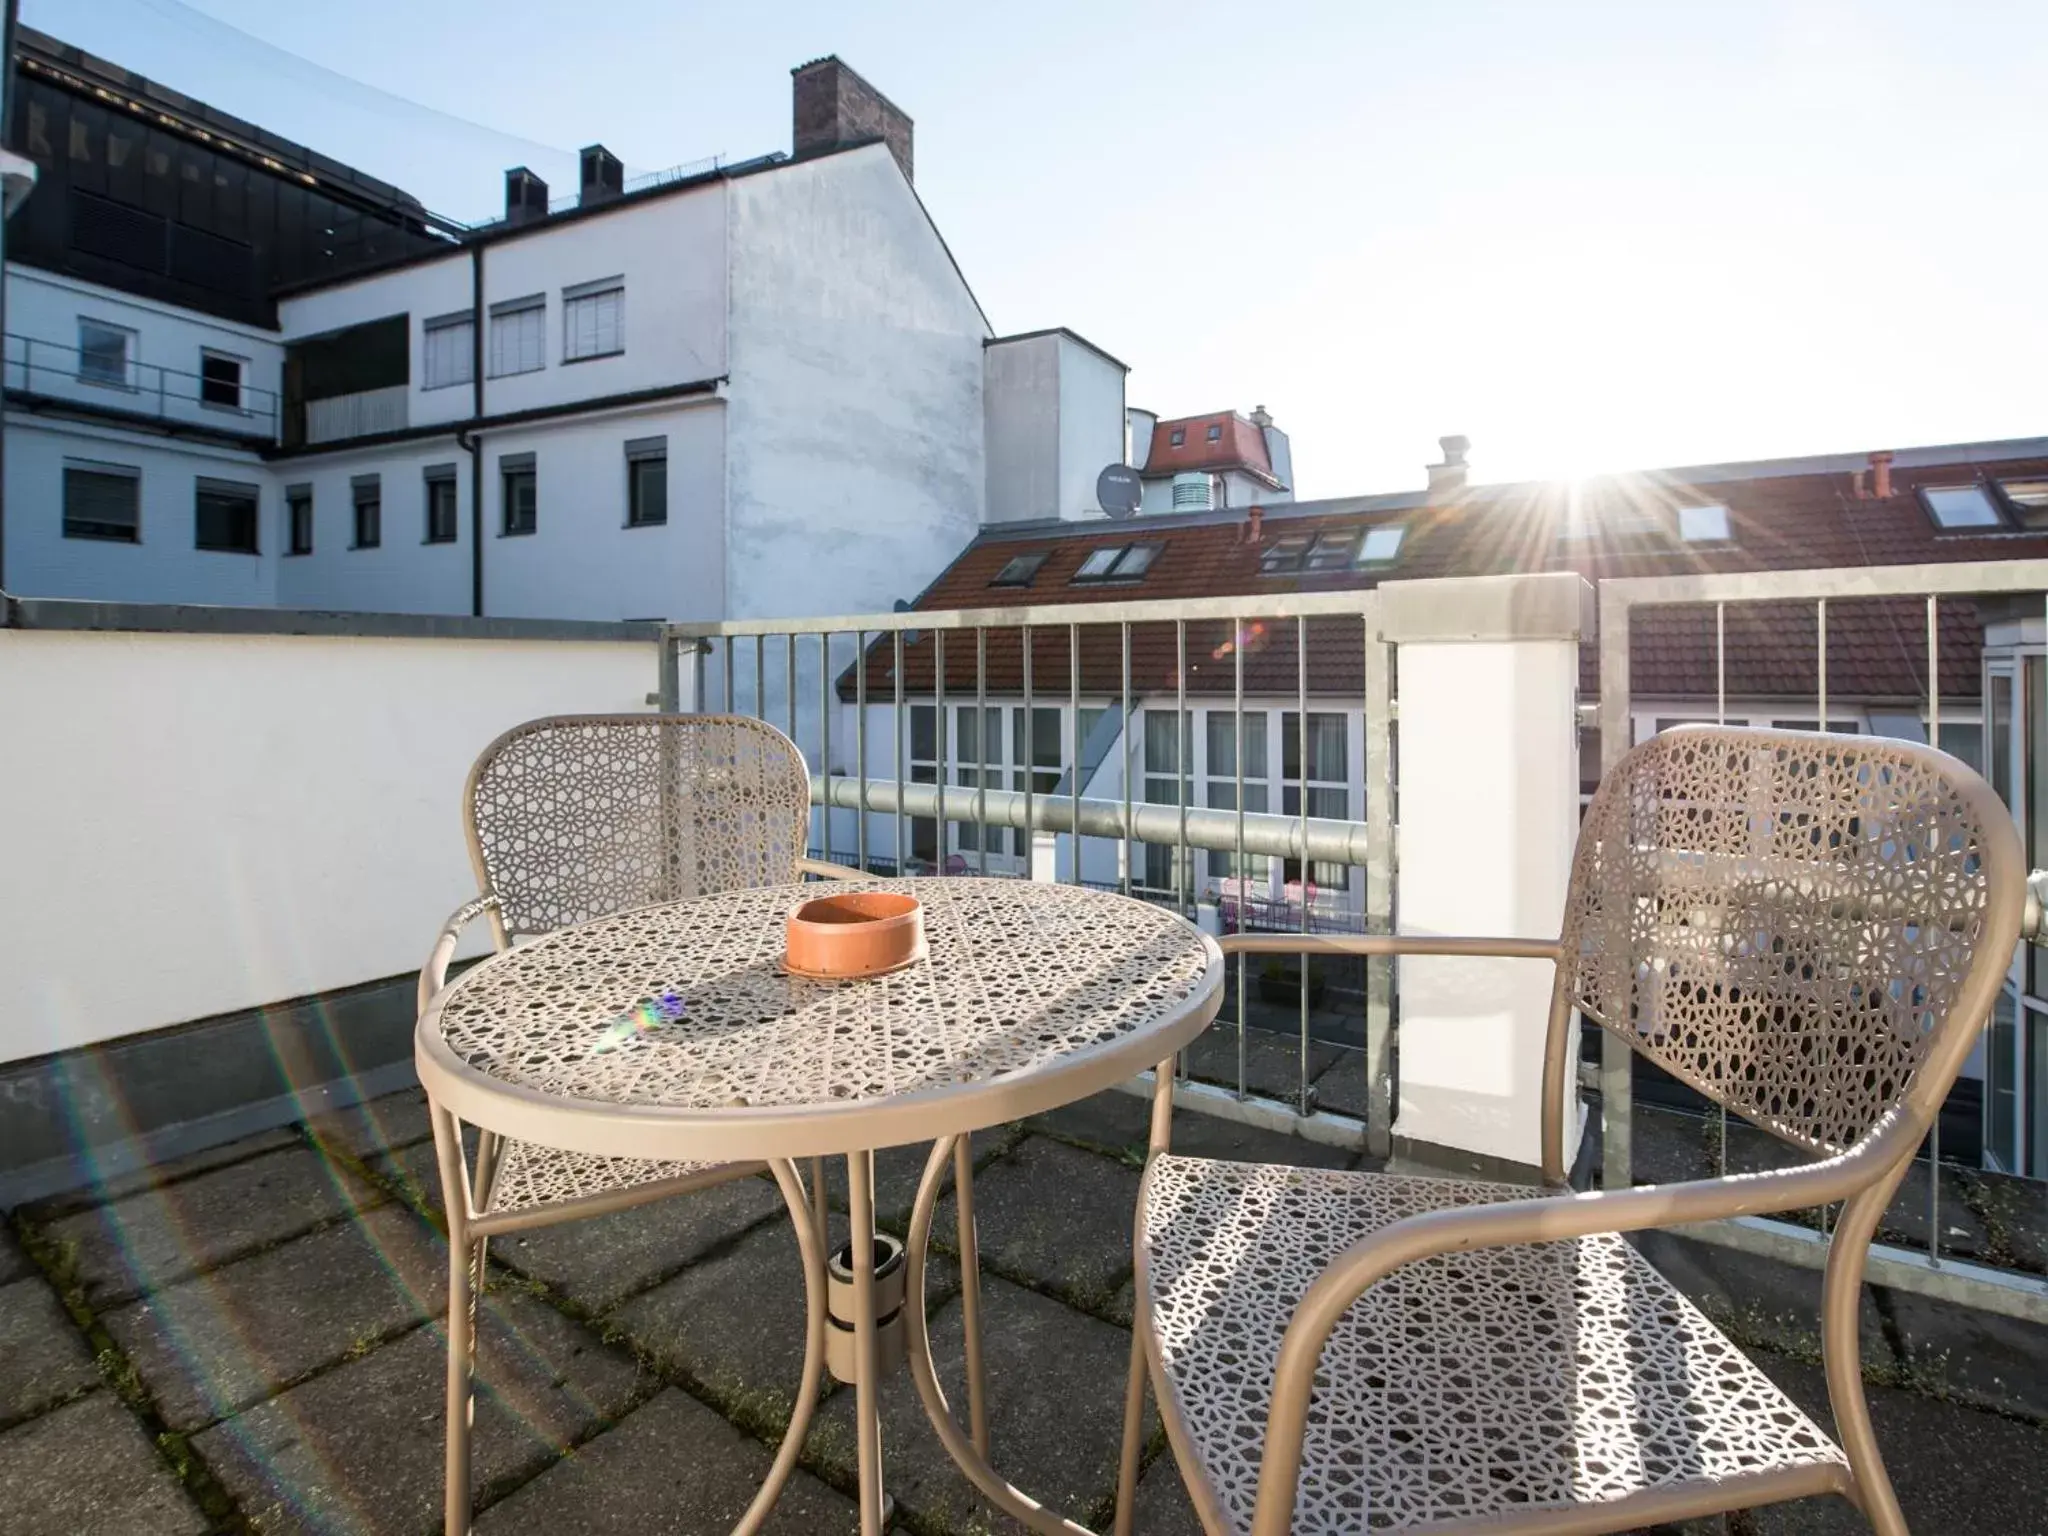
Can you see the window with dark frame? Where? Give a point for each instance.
(1215, 432)
(106, 354)
(1331, 552)
(224, 516)
(220, 380)
(1177, 437)
(298, 519)
(448, 350)
(519, 336)
(103, 501)
(2027, 500)
(594, 319)
(1960, 508)
(518, 479)
(440, 504)
(1020, 570)
(1284, 555)
(647, 482)
(1117, 562)
(367, 493)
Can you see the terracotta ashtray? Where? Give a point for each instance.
(857, 933)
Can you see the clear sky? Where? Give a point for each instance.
(1589, 235)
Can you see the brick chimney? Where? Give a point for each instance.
(603, 176)
(832, 106)
(1881, 475)
(526, 196)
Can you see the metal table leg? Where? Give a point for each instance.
(860, 1210)
(810, 1242)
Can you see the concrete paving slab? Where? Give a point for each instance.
(1056, 1381)
(2017, 1209)
(1973, 1356)
(13, 1262)
(1054, 1217)
(170, 1171)
(1199, 1135)
(672, 1468)
(152, 1239)
(358, 1449)
(897, 1171)
(89, 1470)
(1163, 1507)
(1113, 1121)
(380, 1125)
(415, 1174)
(1760, 1302)
(217, 1343)
(43, 1359)
(1671, 1148)
(1272, 1061)
(1344, 1086)
(595, 1263)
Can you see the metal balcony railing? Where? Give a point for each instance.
(1011, 770)
(54, 372)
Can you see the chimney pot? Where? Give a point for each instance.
(1260, 417)
(1881, 471)
(1254, 523)
(832, 106)
(1455, 448)
(526, 196)
(1856, 478)
(604, 176)
(1449, 476)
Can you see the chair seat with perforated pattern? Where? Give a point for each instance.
(1460, 1389)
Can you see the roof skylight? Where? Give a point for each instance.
(1118, 562)
(1704, 525)
(1019, 570)
(1383, 544)
(1284, 554)
(1956, 507)
(1331, 551)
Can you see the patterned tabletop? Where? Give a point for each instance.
(673, 1031)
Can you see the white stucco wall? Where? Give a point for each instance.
(164, 567)
(205, 823)
(403, 574)
(1091, 424)
(1021, 411)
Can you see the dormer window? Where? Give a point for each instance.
(1703, 525)
(1960, 508)
(1216, 432)
(1117, 562)
(1019, 570)
(1178, 437)
(1382, 545)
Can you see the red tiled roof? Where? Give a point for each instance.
(1238, 445)
(1876, 647)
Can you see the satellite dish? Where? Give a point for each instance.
(1118, 490)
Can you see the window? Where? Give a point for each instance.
(102, 501)
(440, 504)
(449, 351)
(1382, 546)
(1019, 570)
(1703, 525)
(517, 475)
(1220, 729)
(647, 482)
(1331, 551)
(1177, 437)
(519, 335)
(1960, 506)
(1118, 562)
(368, 494)
(2028, 500)
(298, 519)
(594, 319)
(1284, 555)
(106, 354)
(224, 516)
(220, 380)
(1327, 784)
(1836, 724)
(1168, 755)
(1215, 432)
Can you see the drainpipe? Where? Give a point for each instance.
(468, 440)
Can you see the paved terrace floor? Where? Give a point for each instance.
(247, 1340)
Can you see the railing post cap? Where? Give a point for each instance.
(1547, 605)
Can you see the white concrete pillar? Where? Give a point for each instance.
(1487, 813)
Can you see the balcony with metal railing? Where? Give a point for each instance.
(48, 375)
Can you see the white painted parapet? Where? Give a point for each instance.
(1488, 774)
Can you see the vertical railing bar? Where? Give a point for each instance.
(697, 676)
(1030, 767)
(1721, 718)
(1124, 708)
(1934, 740)
(1183, 749)
(860, 748)
(760, 677)
(981, 749)
(898, 752)
(825, 739)
(1301, 752)
(789, 681)
(1243, 881)
(726, 646)
(1823, 622)
(941, 756)
(1074, 770)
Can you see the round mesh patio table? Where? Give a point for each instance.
(672, 1033)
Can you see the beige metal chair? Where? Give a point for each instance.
(573, 818)
(1809, 930)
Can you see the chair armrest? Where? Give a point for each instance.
(434, 974)
(1510, 1222)
(826, 871)
(1386, 944)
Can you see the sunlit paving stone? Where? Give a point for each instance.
(89, 1467)
(43, 1361)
